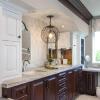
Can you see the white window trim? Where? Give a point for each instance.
(94, 50)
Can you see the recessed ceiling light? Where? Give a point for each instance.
(62, 26)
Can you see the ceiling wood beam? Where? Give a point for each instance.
(78, 8)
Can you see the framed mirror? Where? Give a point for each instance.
(52, 46)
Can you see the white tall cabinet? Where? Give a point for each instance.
(10, 43)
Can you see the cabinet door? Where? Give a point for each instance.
(12, 25)
(10, 59)
(70, 85)
(37, 90)
(21, 92)
(90, 82)
(77, 80)
(51, 88)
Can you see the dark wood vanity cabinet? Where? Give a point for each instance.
(90, 82)
(61, 86)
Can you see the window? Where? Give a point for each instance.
(96, 47)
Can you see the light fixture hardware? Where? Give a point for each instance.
(50, 32)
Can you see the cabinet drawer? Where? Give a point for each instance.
(20, 91)
(62, 85)
(62, 75)
(62, 96)
(60, 81)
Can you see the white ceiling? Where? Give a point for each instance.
(19, 3)
(39, 9)
(60, 20)
(93, 6)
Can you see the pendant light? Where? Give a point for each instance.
(50, 32)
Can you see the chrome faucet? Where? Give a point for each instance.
(24, 66)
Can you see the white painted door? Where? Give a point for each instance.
(10, 60)
(12, 26)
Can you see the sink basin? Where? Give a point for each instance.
(33, 72)
(41, 70)
(29, 73)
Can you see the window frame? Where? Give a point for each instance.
(94, 49)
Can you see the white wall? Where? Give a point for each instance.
(38, 47)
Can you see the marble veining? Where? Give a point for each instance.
(35, 74)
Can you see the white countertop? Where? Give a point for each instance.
(35, 74)
(92, 69)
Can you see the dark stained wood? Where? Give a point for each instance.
(37, 90)
(77, 81)
(78, 8)
(62, 96)
(51, 88)
(90, 82)
(20, 92)
(6, 92)
(70, 85)
(61, 86)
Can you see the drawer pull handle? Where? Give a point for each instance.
(69, 72)
(76, 70)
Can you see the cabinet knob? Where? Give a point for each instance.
(19, 36)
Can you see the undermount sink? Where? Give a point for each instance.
(29, 73)
(33, 72)
(40, 70)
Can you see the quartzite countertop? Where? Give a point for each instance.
(35, 74)
(92, 69)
